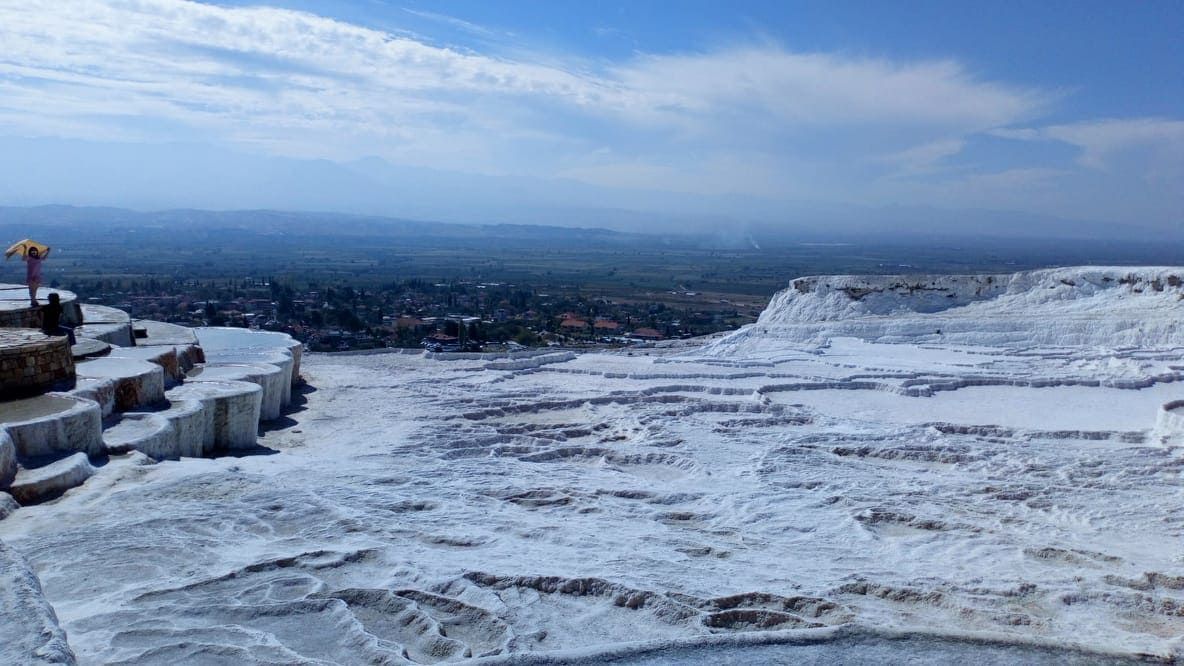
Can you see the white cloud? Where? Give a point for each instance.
(757, 120)
(924, 158)
(217, 69)
(1101, 140)
(818, 89)
(1104, 139)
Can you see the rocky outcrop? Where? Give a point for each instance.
(1169, 424)
(30, 633)
(1117, 306)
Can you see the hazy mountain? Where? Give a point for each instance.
(175, 176)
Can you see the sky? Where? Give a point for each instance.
(1066, 109)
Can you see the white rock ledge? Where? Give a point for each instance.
(42, 483)
(102, 391)
(229, 344)
(275, 382)
(7, 460)
(30, 633)
(52, 424)
(147, 432)
(1169, 424)
(107, 324)
(165, 356)
(229, 415)
(138, 384)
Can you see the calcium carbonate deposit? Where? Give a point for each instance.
(960, 468)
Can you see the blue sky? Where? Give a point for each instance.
(1071, 109)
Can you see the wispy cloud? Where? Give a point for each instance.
(1102, 140)
(924, 158)
(271, 68)
(452, 21)
(818, 89)
(752, 119)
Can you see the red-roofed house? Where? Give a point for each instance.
(646, 334)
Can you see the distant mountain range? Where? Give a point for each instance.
(170, 177)
(99, 226)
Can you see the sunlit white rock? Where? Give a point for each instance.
(53, 423)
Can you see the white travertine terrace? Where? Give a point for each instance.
(107, 324)
(877, 472)
(237, 344)
(1113, 306)
(53, 424)
(138, 384)
(231, 409)
(276, 385)
(137, 397)
(165, 356)
(37, 484)
(99, 389)
(151, 433)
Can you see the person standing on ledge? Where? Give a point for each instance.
(33, 253)
(33, 259)
(51, 319)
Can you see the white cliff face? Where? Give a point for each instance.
(835, 480)
(1065, 306)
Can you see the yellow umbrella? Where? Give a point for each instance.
(23, 248)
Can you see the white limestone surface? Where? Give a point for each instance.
(1169, 426)
(782, 500)
(1112, 306)
(7, 460)
(38, 484)
(165, 356)
(280, 358)
(8, 505)
(191, 425)
(231, 412)
(98, 390)
(138, 383)
(108, 324)
(30, 634)
(152, 434)
(275, 382)
(53, 423)
(221, 342)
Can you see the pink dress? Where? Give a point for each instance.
(33, 270)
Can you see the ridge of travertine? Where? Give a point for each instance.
(58, 433)
(1085, 305)
(784, 483)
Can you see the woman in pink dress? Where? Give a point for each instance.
(33, 259)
